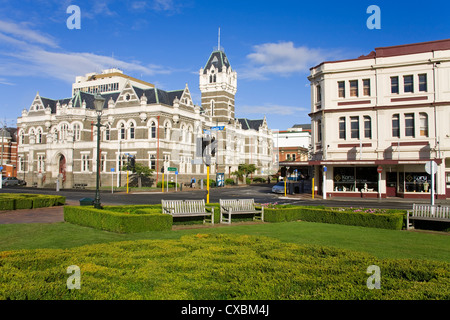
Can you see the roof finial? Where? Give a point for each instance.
(218, 46)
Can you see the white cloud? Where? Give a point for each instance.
(26, 34)
(30, 58)
(282, 59)
(272, 109)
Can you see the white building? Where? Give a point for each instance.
(388, 110)
(160, 129)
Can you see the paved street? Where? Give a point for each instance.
(261, 194)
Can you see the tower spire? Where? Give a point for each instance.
(218, 46)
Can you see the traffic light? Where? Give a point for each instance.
(133, 164)
(213, 147)
(283, 172)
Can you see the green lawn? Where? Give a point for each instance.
(381, 243)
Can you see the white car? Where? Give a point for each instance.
(278, 188)
(12, 181)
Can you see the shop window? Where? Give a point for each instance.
(417, 182)
(366, 178)
(344, 179)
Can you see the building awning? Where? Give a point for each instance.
(371, 162)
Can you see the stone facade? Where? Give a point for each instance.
(58, 138)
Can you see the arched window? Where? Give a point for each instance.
(63, 131)
(122, 131)
(153, 130)
(39, 135)
(77, 131)
(107, 133)
(131, 131)
(167, 131)
(423, 118)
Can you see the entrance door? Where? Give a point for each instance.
(391, 184)
(62, 167)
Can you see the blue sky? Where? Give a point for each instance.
(271, 45)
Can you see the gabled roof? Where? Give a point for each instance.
(218, 59)
(250, 124)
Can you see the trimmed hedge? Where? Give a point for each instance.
(392, 221)
(120, 222)
(15, 201)
(244, 268)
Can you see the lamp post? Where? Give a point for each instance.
(98, 103)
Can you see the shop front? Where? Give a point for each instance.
(383, 179)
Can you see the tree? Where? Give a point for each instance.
(140, 171)
(244, 170)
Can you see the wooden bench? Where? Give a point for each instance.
(239, 206)
(427, 212)
(187, 208)
(80, 185)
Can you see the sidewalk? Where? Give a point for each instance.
(307, 196)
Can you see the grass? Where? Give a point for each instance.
(380, 243)
(216, 267)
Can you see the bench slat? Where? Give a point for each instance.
(428, 212)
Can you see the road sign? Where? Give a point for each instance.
(176, 172)
(112, 169)
(172, 169)
(206, 131)
(379, 169)
(217, 128)
(431, 167)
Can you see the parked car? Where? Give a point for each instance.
(278, 188)
(12, 181)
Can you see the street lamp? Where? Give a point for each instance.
(98, 103)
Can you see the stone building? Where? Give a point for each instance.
(161, 129)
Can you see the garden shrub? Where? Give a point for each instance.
(229, 181)
(245, 268)
(392, 221)
(120, 222)
(14, 201)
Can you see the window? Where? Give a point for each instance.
(341, 89)
(122, 162)
(396, 125)
(22, 163)
(342, 128)
(77, 131)
(423, 120)
(408, 83)
(366, 87)
(318, 93)
(107, 133)
(394, 85)
(63, 131)
(39, 135)
(103, 163)
(367, 127)
(167, 131)
(85, 163)
(153, 162)
(353, 88)
(354, 127)
(131, 131)
(319, 130)
(153, 130)
(122, 131)
(423, 83)
(41, 163)
(409, 124)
